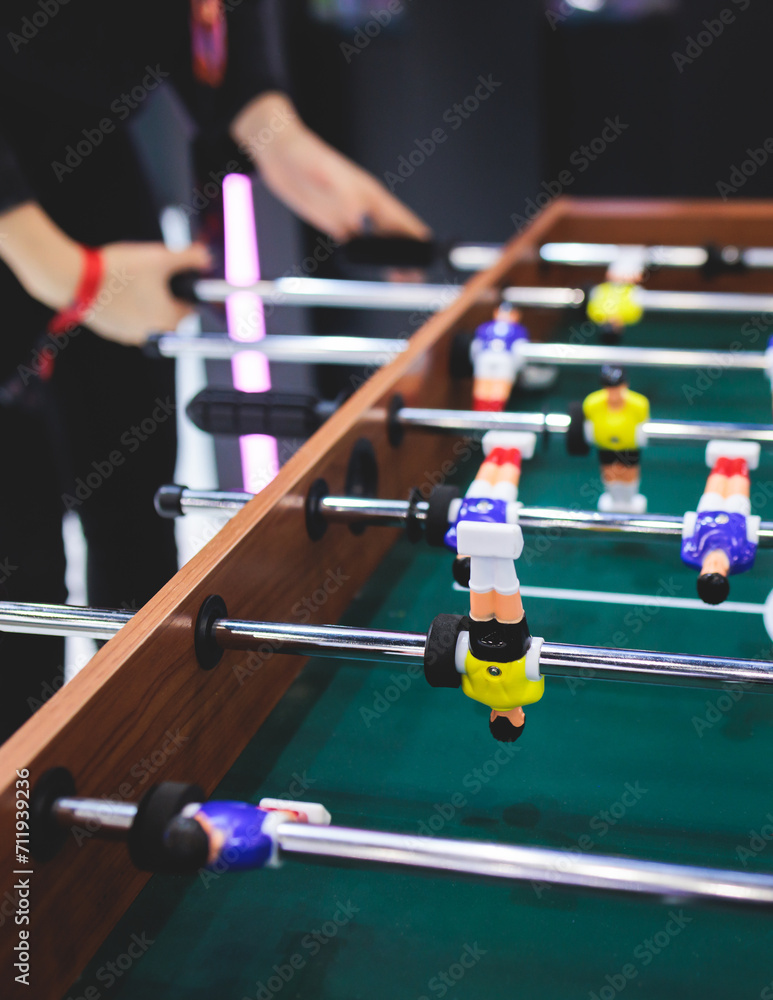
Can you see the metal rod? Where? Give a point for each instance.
(598, 254)
(661, 526)
(430, 298)
(111, 817)
(564, 660)
(288, 349)
(584, 254)
(394, 513)
(556, 659)
(213, 501)
(478, 257)
(320, 640)
(338, 293)
(642, 357)
(541, 864)
(400, 297)
(376, 352)
(353, 510)
(703, 302)
(472, 421)
(61, 619)
(114, 820)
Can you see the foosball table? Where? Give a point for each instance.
(623, 845)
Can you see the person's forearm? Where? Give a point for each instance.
(264, 120)
(44, 259)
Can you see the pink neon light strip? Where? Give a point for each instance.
(246, 322)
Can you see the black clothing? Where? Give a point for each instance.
(627, 457)
(99, 437)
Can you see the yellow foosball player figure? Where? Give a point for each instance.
(496, 655)
(614, 423)
(498, 658)
(613, 304)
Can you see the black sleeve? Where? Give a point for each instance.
(255, 62)
(14, 188)
(255, 65)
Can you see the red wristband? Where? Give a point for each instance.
(85, 294)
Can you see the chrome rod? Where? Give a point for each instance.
(61, 619)
(401, 296)
(353, 510)
(661, 526)
(320, 640)
(109, 816)
(703, 302)
(430, 298)
(287, 349)
(345, 642)
(509, 861)
(474, 256)
(472, 421)
(599, 254)
(596, 254)
(213, 501)
(376, 352)
(394, 513)
(564, 660)
(642, 357)
(461, 421)
(556, 659)
(695, 430)
(338, 293)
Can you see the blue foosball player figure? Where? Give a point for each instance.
(236, 836)
(495, 358)
(720, 538)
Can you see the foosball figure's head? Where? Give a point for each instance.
(507, 313)
(614, 380)
(713, 588)
(614, 303)
(713, 584)
(507, 726)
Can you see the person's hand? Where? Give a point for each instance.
(134, 299)
(316, 181)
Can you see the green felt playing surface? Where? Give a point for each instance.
(669, 774)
